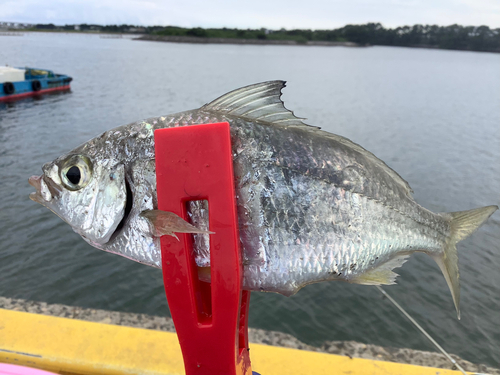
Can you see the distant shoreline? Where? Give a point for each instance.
(204, 40)
(263, 42)
(234, 41)
(452, 37)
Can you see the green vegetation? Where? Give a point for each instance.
(474, 38)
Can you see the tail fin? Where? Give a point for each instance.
(463, 224)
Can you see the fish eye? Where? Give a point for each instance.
(76, 172)
(73, 175)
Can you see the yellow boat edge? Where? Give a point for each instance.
(70, 347)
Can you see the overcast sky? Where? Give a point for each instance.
(310, 14)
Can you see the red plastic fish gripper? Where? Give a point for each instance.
(195, 163)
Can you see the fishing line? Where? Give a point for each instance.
(434, 342)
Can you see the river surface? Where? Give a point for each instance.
(432, 115)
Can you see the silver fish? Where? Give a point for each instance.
(312, 206)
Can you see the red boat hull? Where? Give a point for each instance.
(33, 93)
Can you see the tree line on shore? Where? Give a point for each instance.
(474, 38)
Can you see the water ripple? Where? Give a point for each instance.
(431, 115)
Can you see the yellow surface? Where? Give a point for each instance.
(68, 346)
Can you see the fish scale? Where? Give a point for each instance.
(312, 206)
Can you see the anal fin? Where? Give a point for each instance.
(381, 275)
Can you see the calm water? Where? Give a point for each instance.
(434, 116)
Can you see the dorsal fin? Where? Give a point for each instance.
(261, 102)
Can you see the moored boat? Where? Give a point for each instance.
(18, 83)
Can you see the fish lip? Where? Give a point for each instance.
(36, 182)
(36, 197)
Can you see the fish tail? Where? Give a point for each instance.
(462, 225)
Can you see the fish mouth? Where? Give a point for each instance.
(129, 203)
(36, 182)
(46, 189)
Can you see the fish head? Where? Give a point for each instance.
(89, 195)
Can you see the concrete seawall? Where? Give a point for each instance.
(258, 336)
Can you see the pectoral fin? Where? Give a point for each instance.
(166, 223)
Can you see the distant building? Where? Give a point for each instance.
(77, 27)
